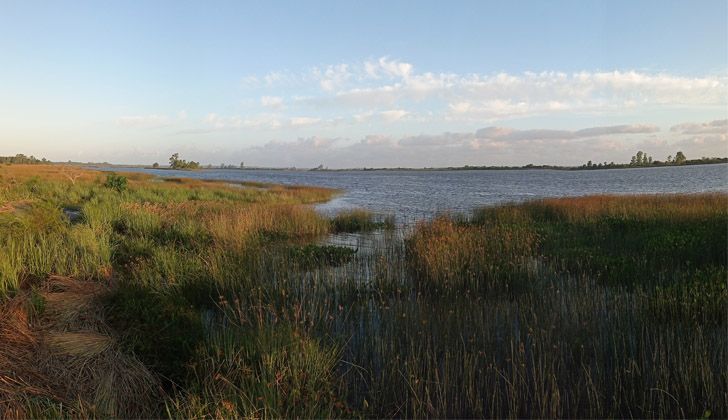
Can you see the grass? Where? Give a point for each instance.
(187, 299)
(360, 220)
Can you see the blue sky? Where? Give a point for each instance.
(363, 84)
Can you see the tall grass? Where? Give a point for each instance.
(583, 307)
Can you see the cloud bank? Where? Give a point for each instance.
(493, 145)
(386, 83)
(369, 113)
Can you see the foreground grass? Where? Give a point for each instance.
(217, 301)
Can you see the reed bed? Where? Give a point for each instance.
(187, 299)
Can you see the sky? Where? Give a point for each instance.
(351, 84)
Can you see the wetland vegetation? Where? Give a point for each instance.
(133, 296)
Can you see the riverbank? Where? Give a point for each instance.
(530, 166)
(199, 298)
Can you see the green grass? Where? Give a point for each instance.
(583, 307)
(360, 220)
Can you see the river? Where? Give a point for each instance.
(414, 195)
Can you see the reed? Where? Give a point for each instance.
(360, 220)
(217, 302)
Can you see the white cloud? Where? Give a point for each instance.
(509, 134)
(494, 145)
(332, 77)
(617, 129)
(272, 102)
(249, 82)
(265, 121)
(303, 121)
(392, 69)
(713, 127)
(395, 84)
(182, 115)
(380, 85)
(393, 115)
(142, 121)
(279, 78)
(363, 116)
(486, 146)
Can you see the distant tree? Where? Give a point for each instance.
(680, 158)
(633, 161)
(242, 165)
(669, 159)
(649, 160)
(638, 158)
(176, 163)
(155, 165)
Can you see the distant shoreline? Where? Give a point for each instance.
(693, 162)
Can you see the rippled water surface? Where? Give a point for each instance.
(412, 195)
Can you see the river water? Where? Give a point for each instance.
(414, 195)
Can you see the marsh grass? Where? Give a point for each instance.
(214, 297)
(361, 220)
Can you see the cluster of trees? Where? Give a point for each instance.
(231, 166)
(176, 163)
(679, 159)
(642, 159)
(605, 165)
(21, 159)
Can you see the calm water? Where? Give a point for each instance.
(412, 195)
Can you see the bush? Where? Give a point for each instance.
(115, 182)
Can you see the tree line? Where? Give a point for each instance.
(641, 159)
(21, 159)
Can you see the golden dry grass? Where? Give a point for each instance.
(65, 354)
(47, 172)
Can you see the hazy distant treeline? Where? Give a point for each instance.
(21, 159)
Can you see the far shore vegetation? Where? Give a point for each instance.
(639, 160)
(132, 296)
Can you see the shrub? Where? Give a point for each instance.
(115, 182)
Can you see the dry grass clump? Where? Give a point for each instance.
(21, 377)
(234, 227)
(677, 207)
(447, 255)
(48, 172)
(102, 378)
(83, 344)
(54, 345)
(73, 304)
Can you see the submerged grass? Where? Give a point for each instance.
(217, 302)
